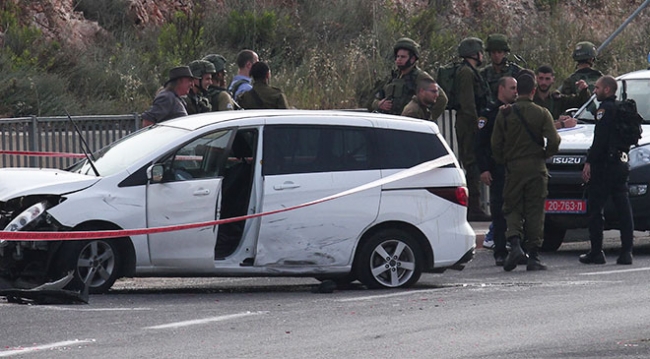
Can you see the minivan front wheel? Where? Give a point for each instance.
(391, 258)
(95, 263)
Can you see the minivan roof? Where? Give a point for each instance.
(197, 121)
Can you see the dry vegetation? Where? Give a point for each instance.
(324, 54)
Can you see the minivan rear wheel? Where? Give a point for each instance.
(391, 258)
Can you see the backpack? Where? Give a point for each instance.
(446, 79)
(628, 122)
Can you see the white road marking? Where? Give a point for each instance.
(205, 320)
(47, 307)
(44, 347)
(618, 271)
(379, 296)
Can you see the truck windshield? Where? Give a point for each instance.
(639, 90)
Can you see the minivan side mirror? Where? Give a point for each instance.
(155, 173)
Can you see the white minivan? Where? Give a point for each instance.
(221, 165)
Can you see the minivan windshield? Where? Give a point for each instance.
(123, 153)
(637, 89)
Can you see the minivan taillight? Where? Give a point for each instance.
(453, 194)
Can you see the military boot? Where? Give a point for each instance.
(534, 263)
(516, 254)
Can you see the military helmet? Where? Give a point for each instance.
(407, 44)
(218, 61)
(201, 67)
(470, 46)
(497, 42)
(584, 50)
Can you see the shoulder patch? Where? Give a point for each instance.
(600, 114)
(481, 122)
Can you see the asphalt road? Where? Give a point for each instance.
(570, 311)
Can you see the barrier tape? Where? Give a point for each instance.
(43, 154)
(68, 235)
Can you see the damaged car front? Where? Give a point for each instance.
(26, 196)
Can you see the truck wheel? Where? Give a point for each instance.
(553, 237)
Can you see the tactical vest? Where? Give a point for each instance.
(482, 94)
(400, 90)
(589, 75)
(492, 77)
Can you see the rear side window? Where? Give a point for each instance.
(404, 149)
(308, 149)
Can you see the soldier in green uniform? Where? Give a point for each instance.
(473, 95)
(585, 56)
(262, 95)
(423, 101)
(497, 47)
(556, 102)
(197, 101)
(518, 143)
(400, 86)
(218, 94)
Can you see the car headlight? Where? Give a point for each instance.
(27, 217)
(639, 156)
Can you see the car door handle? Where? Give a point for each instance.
(286, 185)
(202, 192)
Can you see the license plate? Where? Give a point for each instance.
(576, 206)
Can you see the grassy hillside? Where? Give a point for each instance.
(324, 54)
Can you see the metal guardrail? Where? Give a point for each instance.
(57, 134)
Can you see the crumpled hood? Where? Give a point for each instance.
(15, 182)
(579, 138)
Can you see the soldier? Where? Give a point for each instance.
(423, 101)
(473, 95)
(607, 172)
(219, 96)
(242, 81)
(497, 47)
(400, 87)
(197, 100)
(262, 95)
(169, 103)
(518, 143)
(493, 174)
(585, 56)
(556, 102)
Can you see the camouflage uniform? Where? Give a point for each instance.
(263, 96)
(525, 162)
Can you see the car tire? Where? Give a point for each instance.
(390, 258)
(95, 262)
(553, 238)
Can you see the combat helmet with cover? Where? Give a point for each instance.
(497, 42)
(584, 50)
(470, 46)
(201, 67)
(407, 44)
(218, 61)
